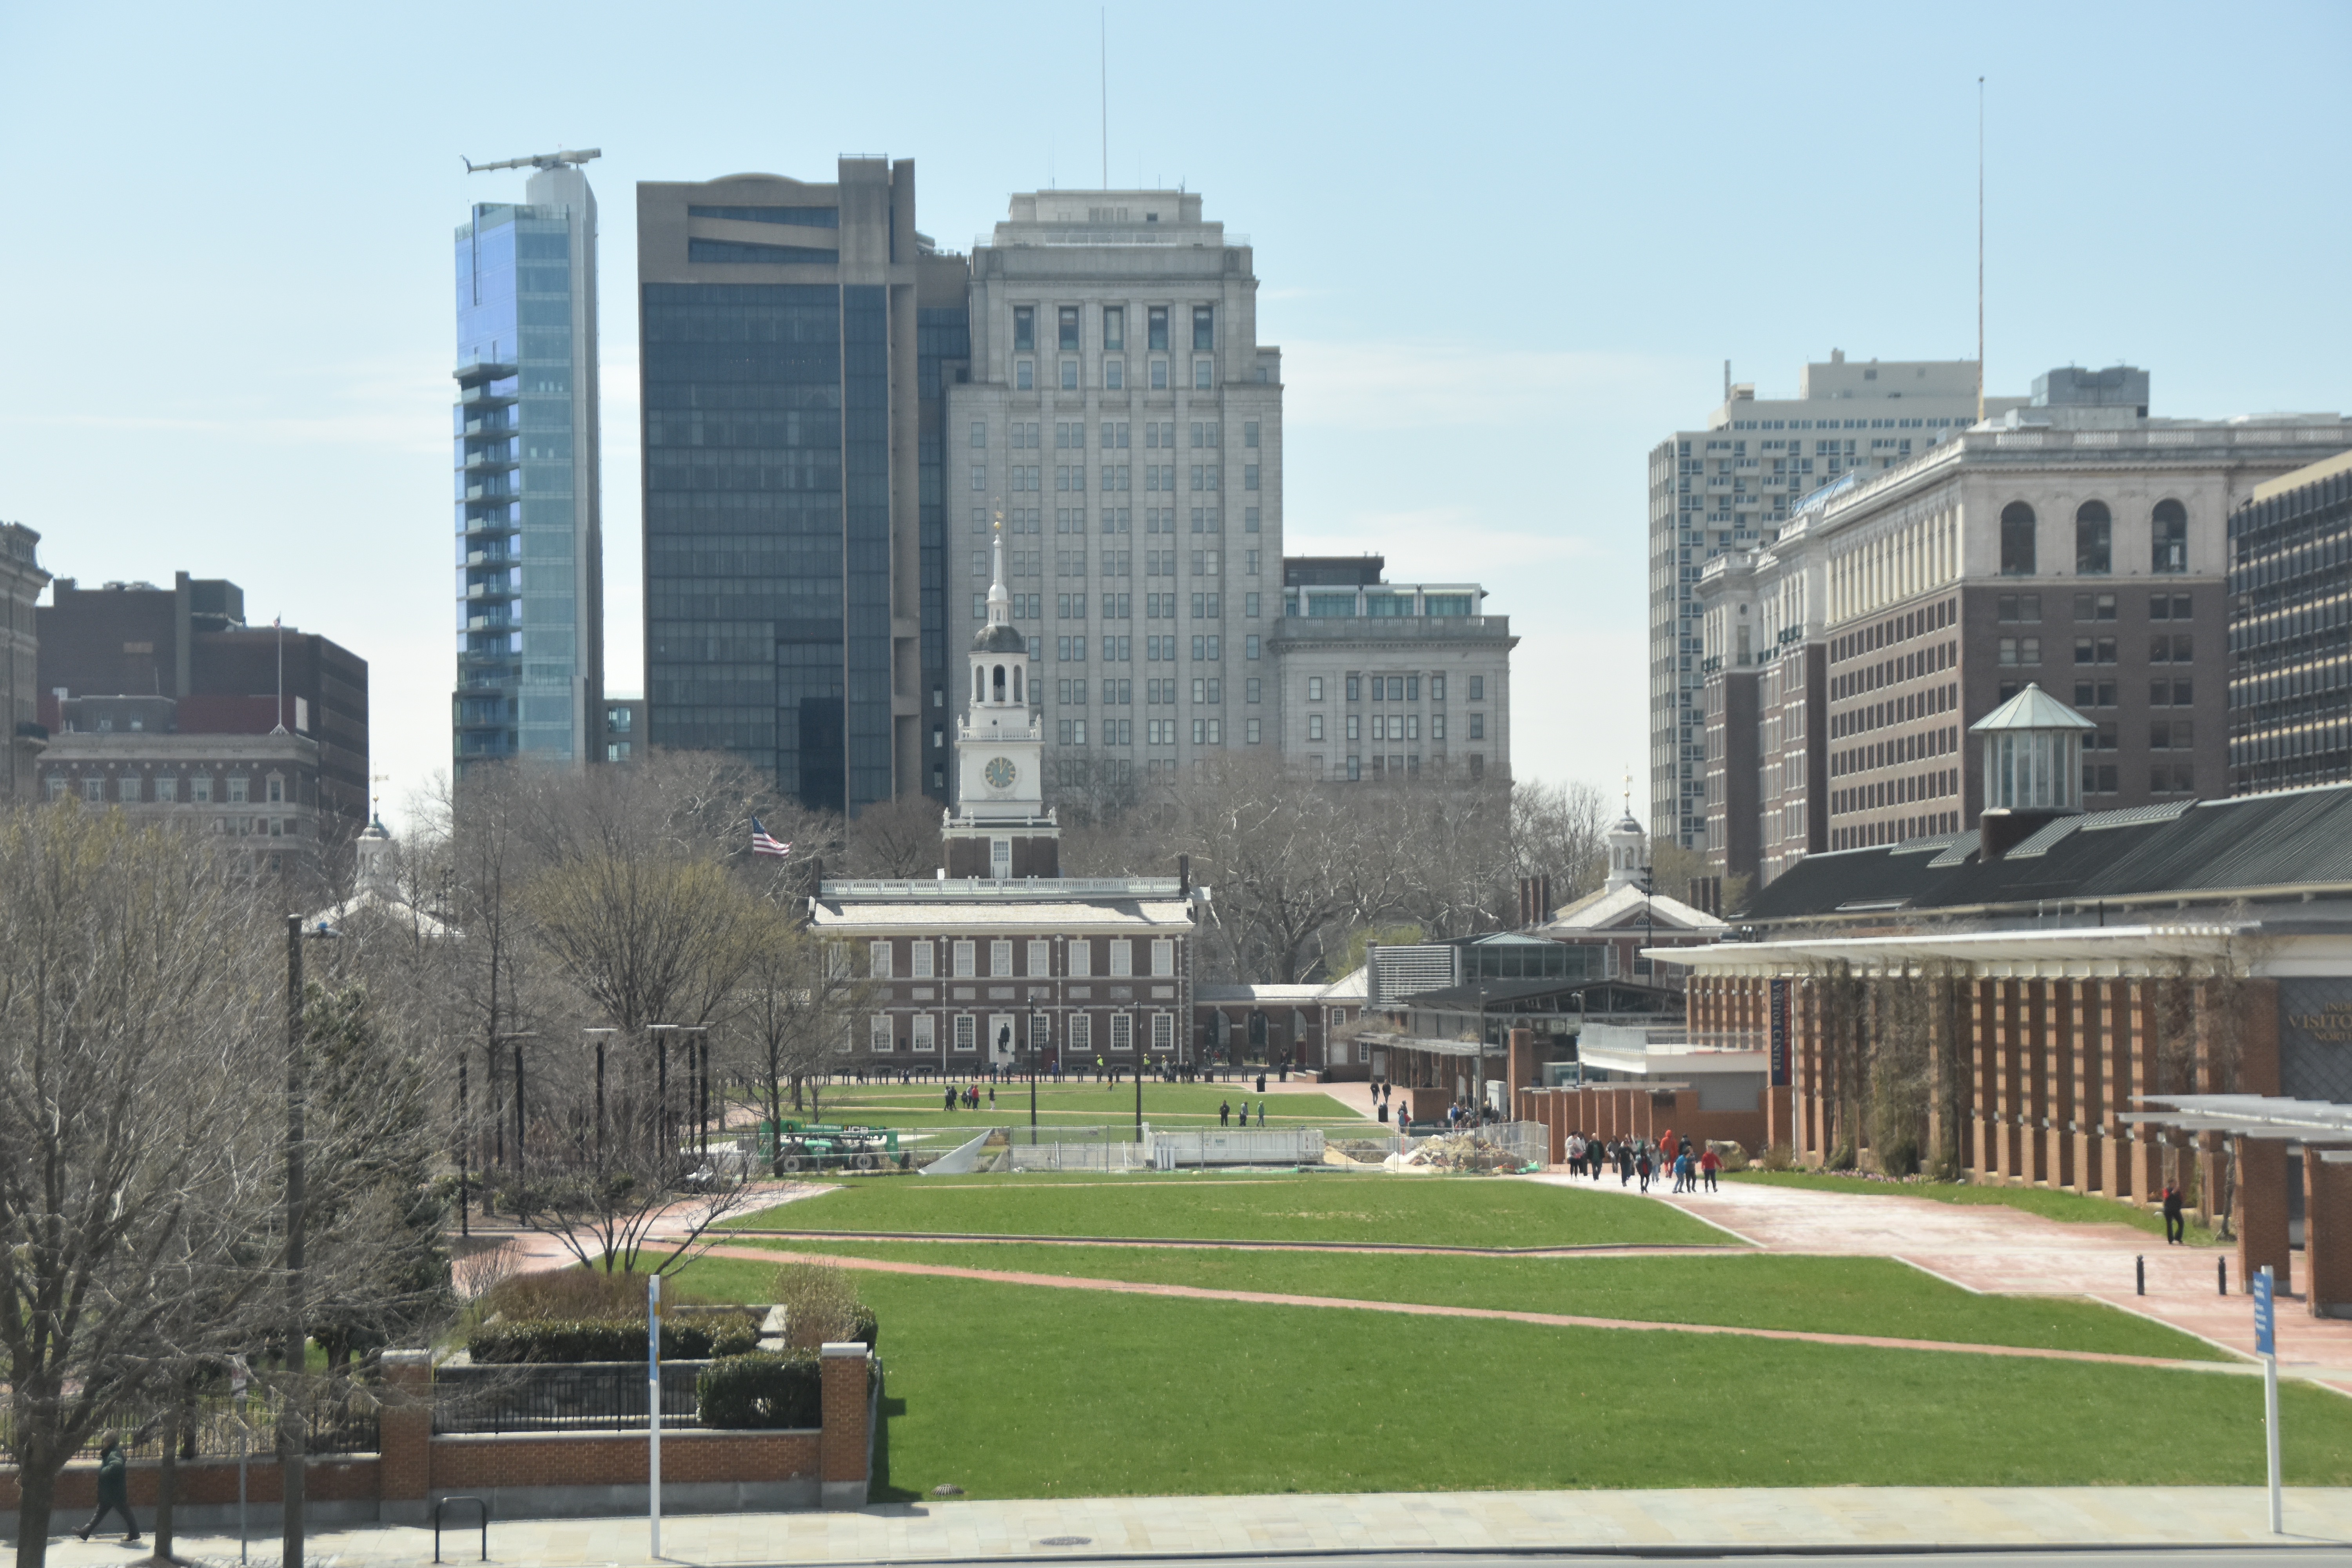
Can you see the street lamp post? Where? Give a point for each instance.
(517, 1036)
(298, 1339)
(599, 1036)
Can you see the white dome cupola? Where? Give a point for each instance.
(1001, 742)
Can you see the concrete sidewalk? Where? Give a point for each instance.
(1757, 1521)
(2000, 1250)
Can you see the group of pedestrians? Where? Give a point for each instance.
(968, 1096)
(1637, 1160)
(1226, 1112)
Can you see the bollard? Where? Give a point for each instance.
(2222, 1273)
(2141, 1262)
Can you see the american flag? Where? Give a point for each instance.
(765, 843)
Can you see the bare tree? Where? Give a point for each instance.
(797, 1002)
(896, 838)
(137, 1155)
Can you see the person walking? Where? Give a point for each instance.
(1708, 1164)
(1641, 1168)
(1225, 1113)
(2176, 1225)
(951, 1100)
(114, 1492)
(1261, 1113)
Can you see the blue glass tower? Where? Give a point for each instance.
(529, 537)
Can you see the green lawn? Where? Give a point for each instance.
(1007, 1390)
(1828, 1295)
(1469, 1211)
(1074, 1104)
(2072, 1207)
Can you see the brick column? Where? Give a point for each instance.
(1981, 1115)
(2082, 1030)
(404, 1444)
(2262, 1200)
(2060, 1049)
(844, 1447)
(2327, 1235)
(2143, 1161)
(2008, 1101)
(2033, 1097)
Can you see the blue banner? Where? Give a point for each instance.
(2265, 1316)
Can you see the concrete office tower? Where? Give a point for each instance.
(2291, 629)
(2075, 544)
(794, 339)
(21, 581)
(1398, 681)
(1731, 486)
(1123, 417)
(530, 552)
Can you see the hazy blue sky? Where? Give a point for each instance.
(1504, 248)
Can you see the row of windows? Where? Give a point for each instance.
(1395, 727)
(922, 1033)
(202, 789)
(1117, 478)
(1113, 375)
(1206, 732)
(2178, 649)
(2026, 608)
(1395, 765)
(1119, 956)
(1207, 519)
(2160, 693)
(1207, 690)
(1115, 434)
(1113, 328)
(1393, 687)
(2168, 549)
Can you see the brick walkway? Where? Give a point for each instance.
(1997, 1249)
(1677, 1523)
(1422, 1309)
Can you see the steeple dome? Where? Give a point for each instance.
(999, 635)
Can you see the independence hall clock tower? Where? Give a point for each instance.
(1001, 829)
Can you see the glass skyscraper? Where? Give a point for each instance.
(530, 538)
(793, 613)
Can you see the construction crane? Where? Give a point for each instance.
(537, 161)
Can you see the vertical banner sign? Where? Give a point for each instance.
(1779, 1033)
(2266, 1345)
(653, 1407)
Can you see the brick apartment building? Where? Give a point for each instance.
(125, 667)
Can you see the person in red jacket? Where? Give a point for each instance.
(1708, 1164)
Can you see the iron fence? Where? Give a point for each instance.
(586, 1396)
(342, 1419)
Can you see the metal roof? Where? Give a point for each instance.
(2031, 709)
(2278, 843)
(2264, 1116)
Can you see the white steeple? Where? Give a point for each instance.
(1000, 743)
(1628, 847)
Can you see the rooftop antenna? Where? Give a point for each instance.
(278, 623)
(1980, 183)
(535, 160)
(1102, 20)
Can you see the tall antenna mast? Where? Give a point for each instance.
(1981, 166)
(1102, 19)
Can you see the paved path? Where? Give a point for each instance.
(1427, 1310)
(1679, 1523)
(1598, 1249)
(1994, 1248)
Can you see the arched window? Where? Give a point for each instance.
(2168, 538)
(979, 685)
(999, 683)
(2094, 539)
(2017, 540)
(1016, 684)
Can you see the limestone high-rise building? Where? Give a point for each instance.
(1731, 486)
(1125, 421)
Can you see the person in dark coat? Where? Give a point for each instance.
(113, 1491)
(2176, 1225)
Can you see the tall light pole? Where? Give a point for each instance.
(599, 1035)
(291, 1424)
(517, 1036)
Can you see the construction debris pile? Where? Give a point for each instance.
(1463, 1153)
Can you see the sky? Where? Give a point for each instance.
(1505, 251)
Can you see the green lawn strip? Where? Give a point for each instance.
(1818, 1295)
(2072, 1207)
(1469, 1211)
(1076, 1105)
(1010, 1392)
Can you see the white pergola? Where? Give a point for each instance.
(2310, 1123)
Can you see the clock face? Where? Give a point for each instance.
(999, 772)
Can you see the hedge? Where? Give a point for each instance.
(763, 1391)
(558, 1339)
